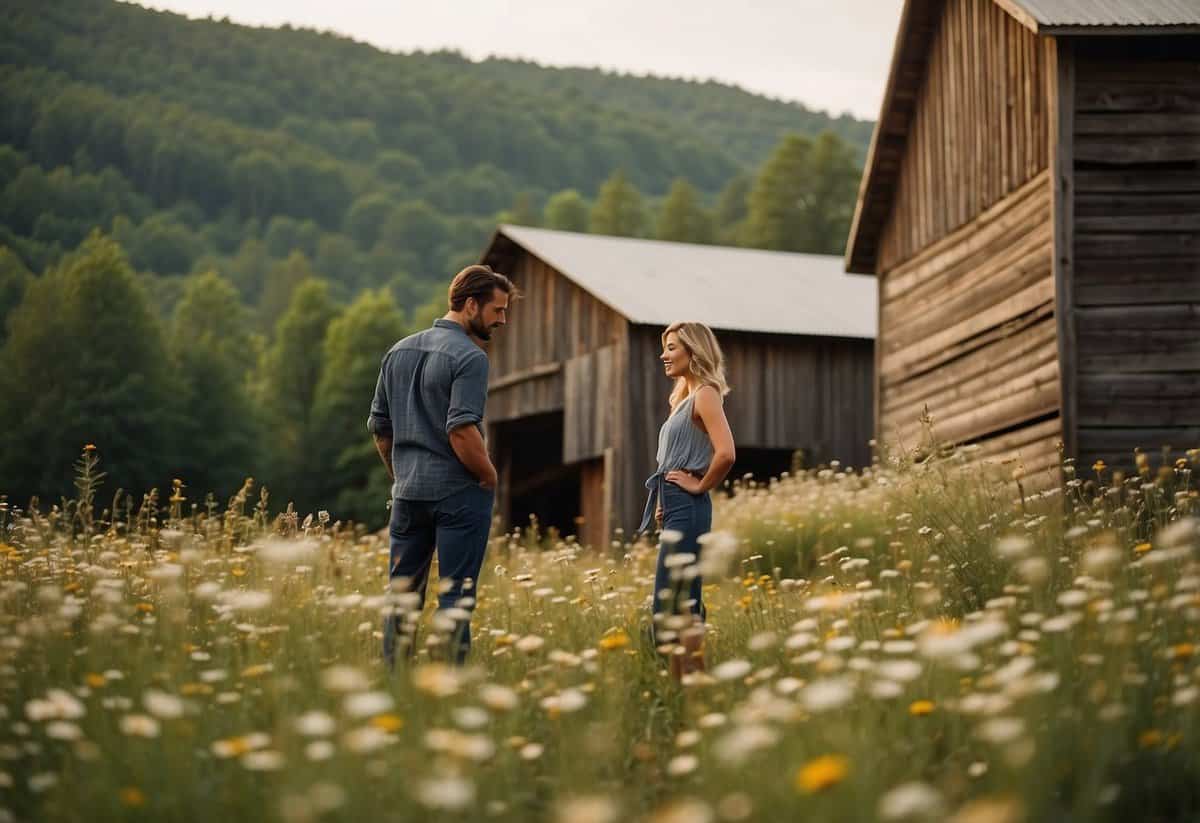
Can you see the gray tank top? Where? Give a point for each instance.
(681, 443)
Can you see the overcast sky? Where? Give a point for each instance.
(830, 56)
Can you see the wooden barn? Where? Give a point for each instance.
(1030, 207)
(577, 392)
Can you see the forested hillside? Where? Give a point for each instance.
(273, 160)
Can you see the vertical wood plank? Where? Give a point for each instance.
(1062, 139)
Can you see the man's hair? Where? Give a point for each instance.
(480, 282)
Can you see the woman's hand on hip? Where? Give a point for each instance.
(688, 482)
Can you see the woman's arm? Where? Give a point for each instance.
(712, 414)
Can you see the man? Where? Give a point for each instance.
(427, 420)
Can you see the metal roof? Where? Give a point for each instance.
(657, 283)
(1051, 15)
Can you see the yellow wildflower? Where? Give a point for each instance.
(614, 639)
(920, 708)
(388, 722)
(1150, 738)
(1182, 650)
(232, 747)
(1099, 466)
(822, 773)
(131, 795)
(1142, 548)
(95, 680)
(944, 625)
(145, 607)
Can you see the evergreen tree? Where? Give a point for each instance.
(282, 280)
(566, 211)
(619, 210)
(14, 279)
(356, 482)
(414, 228)
(832, 194)
(220, 429)
(777, 202)
(803, 197)
(523, 212)
(289, 374)
(85, 362)
(365, 219)
(730, 213)
(683, 218)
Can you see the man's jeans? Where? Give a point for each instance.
(458, 526)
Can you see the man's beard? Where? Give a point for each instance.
(479, 329)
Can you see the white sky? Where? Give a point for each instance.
(832, 56)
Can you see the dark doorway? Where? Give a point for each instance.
(763, 464)
(537, 483)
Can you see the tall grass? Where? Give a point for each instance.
(919, 641)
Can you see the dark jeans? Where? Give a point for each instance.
(690, 515)
(458, 527)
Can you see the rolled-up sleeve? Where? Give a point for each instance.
(468, 392)
(379, 422)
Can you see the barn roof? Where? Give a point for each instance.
(918, 23)
(656, 282)
(1082, 16)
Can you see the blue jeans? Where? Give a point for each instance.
(458, 526)
(691, 516)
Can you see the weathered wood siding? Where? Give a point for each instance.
(1136, 244)
(788, 392)
(978, 130)
(595, 392)
(967, 331)
(556, 321)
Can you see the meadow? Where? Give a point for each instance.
(925, 641)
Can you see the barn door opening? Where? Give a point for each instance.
(566, 498)
(762, 464)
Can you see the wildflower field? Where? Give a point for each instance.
(906, 642)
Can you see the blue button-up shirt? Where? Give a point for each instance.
(430, 383)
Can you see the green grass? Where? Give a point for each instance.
(914, 638)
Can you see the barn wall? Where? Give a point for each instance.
(554, 322)
(967, 331)
(1136, 245)
(789, 392)
(979, 130)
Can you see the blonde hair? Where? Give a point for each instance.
(707, 364)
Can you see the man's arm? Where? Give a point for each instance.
(468, 395)
(379, 421)
(467, 443)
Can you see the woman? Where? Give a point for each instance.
(695, 452)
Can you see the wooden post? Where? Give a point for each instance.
(1062, 183)
(609, 479)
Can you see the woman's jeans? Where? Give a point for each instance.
(458, 526)
(677, 584)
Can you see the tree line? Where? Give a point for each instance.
(210, 387)
(209, 234)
